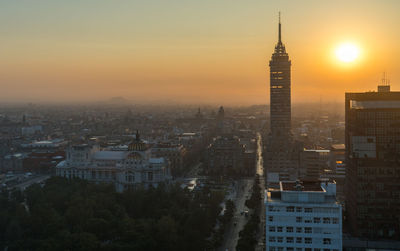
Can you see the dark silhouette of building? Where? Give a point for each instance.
(373, 163)
(282, 158)
(43, 161)
(174, 153)
(199, 115)
(221, 113)
(280, 108)
(313, 162)
(226, 155)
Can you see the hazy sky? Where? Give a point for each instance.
(208, 51)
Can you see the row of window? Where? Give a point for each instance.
(290, 229)
(95, 174)
(325, 220)
(128, 178)
(299, 209)
(290, 239)
(299, 249)
(307, 240)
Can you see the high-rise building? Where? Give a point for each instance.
(303, 215)
(280, 103)
(373, 163)
(282, 158)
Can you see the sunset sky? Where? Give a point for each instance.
(209, 51)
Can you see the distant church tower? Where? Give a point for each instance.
(282, 152)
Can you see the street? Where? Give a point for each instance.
(243, 190)
(260, 172)
(231, 235)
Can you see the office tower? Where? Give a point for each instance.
(303, 216)
(373, 163)
(282, 157)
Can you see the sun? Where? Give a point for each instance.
(347, 52)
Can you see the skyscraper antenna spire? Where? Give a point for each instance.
(279, 17)
(279, 41)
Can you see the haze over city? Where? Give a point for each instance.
(194, 52)
(200, 125)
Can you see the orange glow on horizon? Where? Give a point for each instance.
(193, 52)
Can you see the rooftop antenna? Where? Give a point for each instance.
(280, 41)
(385, 85)
(385, 80)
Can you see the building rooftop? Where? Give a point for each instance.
(305, 186)
(372, 95)
(189, 134)
(305, 191)
(317, 150)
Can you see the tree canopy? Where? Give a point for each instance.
(77, 215)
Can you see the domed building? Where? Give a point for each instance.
(139, 168)
(127, 169)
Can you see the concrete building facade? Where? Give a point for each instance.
(303, 216)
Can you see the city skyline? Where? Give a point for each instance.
(200, 125)
(191, 52)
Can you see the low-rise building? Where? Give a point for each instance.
(226, 156)
(126, 169)
(31, 130)
(174, 153)
(42, 162)
(313, 163)
(12, 163)
(45, 145)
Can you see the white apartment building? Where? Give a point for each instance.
(303, 216)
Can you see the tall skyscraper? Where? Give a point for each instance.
(282, 153)
(373, 163)
(280, 105)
